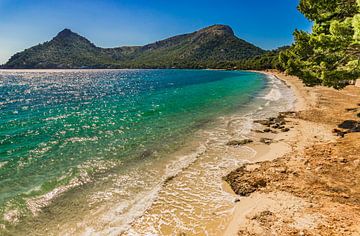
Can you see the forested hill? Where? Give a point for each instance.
(200, 49)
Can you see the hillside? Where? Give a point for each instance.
(199, 49)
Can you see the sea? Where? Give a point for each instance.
(125, 152)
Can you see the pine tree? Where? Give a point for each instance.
(330, 54)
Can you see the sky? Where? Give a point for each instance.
(110, 23)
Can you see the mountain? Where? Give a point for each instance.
(199, 49)
(65, 50)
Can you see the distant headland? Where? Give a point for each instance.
(215, 46)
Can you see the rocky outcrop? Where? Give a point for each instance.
(239, 142)
(243, 185)
(275, 124)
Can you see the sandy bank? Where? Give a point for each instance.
(308, 182)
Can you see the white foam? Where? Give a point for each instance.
(273, 95)
(198, 186)
(36, 204)
(140, 205)
(275, 92)
(122, 214)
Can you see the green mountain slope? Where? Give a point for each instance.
(194, 50)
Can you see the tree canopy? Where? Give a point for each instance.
(330, 54)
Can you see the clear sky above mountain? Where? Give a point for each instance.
(110, 23)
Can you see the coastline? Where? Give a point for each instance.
(207, 195)
(204, 203)
(287, 201)
(201, 160)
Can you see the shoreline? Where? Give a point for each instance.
(268, 208)
(265, 153)
(219, 154)
(203, 202)
(233, 124)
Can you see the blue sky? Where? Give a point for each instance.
(109, 23)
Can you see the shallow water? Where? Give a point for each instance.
(78, 143)
(196, 201)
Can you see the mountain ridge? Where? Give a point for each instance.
(68, 50)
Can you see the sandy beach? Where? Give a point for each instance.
(301, 177)
(287, 163)
(307, 183)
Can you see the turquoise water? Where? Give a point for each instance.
(57, 127)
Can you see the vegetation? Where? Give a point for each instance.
(330, 55)
(268, 60)
(214, 46)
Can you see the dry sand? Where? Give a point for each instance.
(308, 183)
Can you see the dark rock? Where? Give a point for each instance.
(266, 140)
(239, 142)
(245, 188)
(276, 126)
(267, 130)
(285, 130)
(280, 121)
(352, 126)
(355, 129)
(336, 131)
(260, 183)
(168, 179)
(272, 119)
(339, 132)
(343, 160)
(348, 124)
